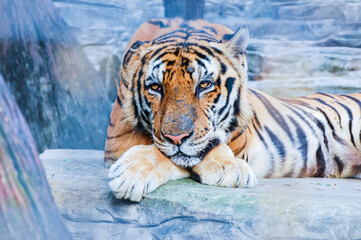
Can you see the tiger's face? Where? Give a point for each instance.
(190, 95)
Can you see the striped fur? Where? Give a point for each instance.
(190, 79)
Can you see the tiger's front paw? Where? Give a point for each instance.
(221, 168)
(140, 171)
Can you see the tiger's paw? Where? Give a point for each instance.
(141, 170)
(221, 168)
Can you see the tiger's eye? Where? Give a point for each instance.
(156, 87)
(205, 84)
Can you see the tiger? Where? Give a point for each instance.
(183, 110)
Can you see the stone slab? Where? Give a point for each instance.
(288, 208)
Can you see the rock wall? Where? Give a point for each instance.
(313, 45)
(57, 89)
(27, 208)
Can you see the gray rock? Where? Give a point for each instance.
(275, 208)
(57, 89)
(109, 70)
(27, 208)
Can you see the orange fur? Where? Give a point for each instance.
(161, 94)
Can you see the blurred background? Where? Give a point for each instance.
(297, 47)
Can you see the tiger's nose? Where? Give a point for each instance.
(177, 140)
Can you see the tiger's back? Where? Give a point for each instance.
(313, 136)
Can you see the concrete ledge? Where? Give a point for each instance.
(275, 208)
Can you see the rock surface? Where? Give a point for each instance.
(275, 208)
(27, 208)
(57, 89)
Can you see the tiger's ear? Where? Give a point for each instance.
(238, 42)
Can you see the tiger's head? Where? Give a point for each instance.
(187, 85)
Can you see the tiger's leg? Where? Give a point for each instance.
(141, 170)
(221, 168)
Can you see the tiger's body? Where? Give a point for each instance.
(183, 110)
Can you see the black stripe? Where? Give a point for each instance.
(164, 38)
(199, 62)
(168, 42)
(185, 62)
(129, 53)
(354, 99)
(303, 118)
(234, 124)
(302, 140)
(204, 112)
(124, 82)
(327, 119)
(218, 51)
(261, 138)
(194, 176)
(339, 163)
(271, 170)
(170, 63)
(227, 37)
(216, 100)
(275, 114)
(159, 23)
(320, 125)
(110, 151)
(140, 125)
(137, 44)
(119, 102)
(359, 103)
(211, 29)
(212, 144)
(321, 163)
(139, 86)
(126, 58)
(328, 105)
(350, 121)
(204, 38)
(237, 104)
(277, 143)
(225, 117)
(327, 95)
(256, 119)
(236, 111)
(223, 68)
(206, 49)
(156, 52)
(162, 55)
(198, 32)
(144, 114)
(237, 136)
(229, 85)
(218, 82)
(113, 137)
(170, 34)
(201, 56)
